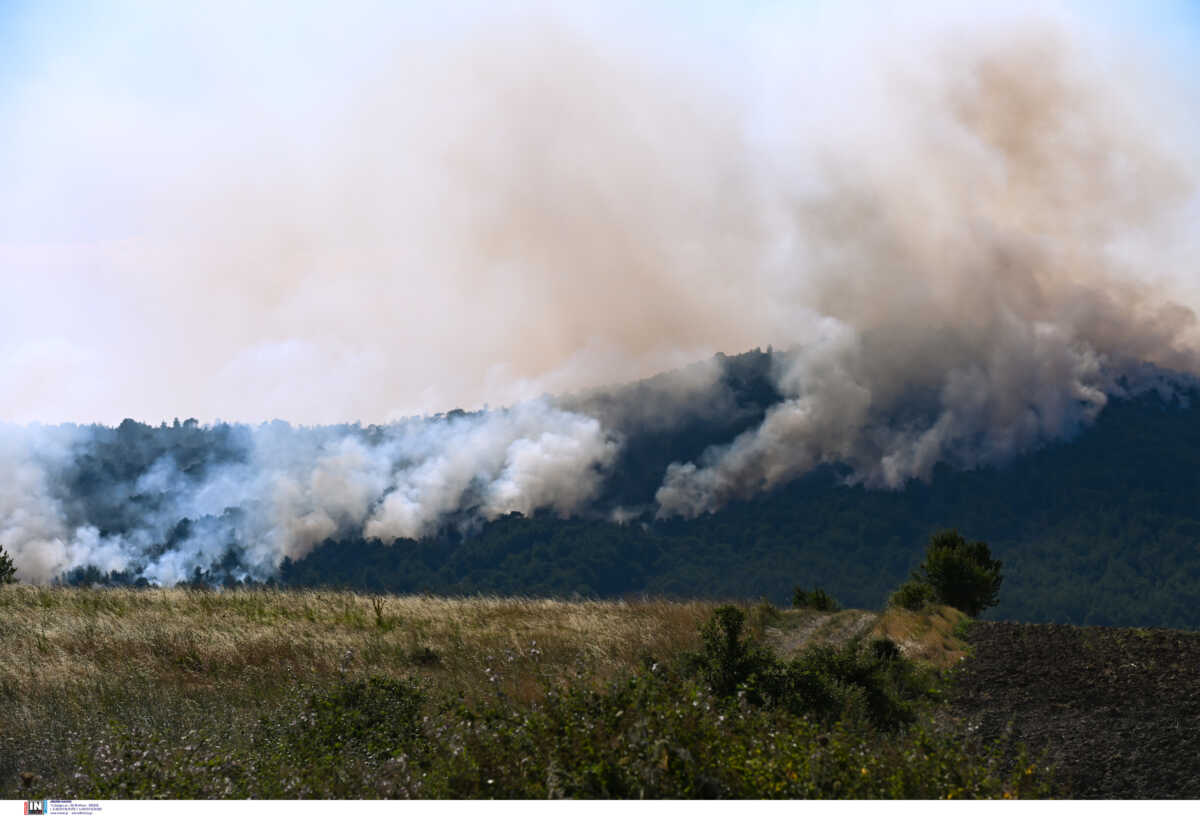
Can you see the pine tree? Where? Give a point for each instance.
(963, 575)
(8, 572)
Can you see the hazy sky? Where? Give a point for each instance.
(346, 211)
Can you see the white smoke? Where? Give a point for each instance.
(294, 488)
(33, 529)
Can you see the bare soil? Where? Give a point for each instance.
(1115, 711)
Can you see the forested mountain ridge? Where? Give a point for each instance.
(1100, 529)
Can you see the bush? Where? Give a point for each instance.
(657, 735)
(760, 616)
(963, 575)
(818, 599)
(8, 572)
(824, 682)
(913, 595)
(727, 659)
(379, 716)
(850, 682)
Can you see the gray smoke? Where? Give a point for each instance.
(963, 229)
(981, 272)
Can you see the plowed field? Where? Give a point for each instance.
(1116, 711)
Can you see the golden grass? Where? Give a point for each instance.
(168, 663)
(73, 638)
(927, 636)
(68, 654)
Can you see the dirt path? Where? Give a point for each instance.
(1116, 710)
(833, 627)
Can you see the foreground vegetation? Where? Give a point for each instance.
(114, 693)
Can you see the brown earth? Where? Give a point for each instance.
(1115, 711)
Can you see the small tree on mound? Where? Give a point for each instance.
(818, 599)
(963, 575)
(912, 595)
(8, 572)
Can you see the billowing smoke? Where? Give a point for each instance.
(161, 502)
(963, 230)
(976, 286)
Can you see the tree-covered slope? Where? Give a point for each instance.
(1101, 529)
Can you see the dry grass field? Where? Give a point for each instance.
(67, 641)
(263, 693)
(166, 661)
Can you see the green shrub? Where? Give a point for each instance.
(824, 682)
(817, 599)
(913, 594)
(727, 659)
(379, 716)
(849, 682)
(760, 616)
(657, 733)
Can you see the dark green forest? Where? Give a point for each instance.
(1102, 529)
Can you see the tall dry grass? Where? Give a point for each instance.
(172, 662)
(70, 638)
(276, 694)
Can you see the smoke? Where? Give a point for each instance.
(31, 528)
(963, 228)
(160, 503)
(979, 269)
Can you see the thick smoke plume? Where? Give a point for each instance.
(976, 279)
(963, 232)
(160, 503)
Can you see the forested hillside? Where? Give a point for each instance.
(1101, 529)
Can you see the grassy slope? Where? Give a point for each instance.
(181, 679)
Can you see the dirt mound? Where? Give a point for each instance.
(1117, 711)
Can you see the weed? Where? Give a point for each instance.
(378, 602)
